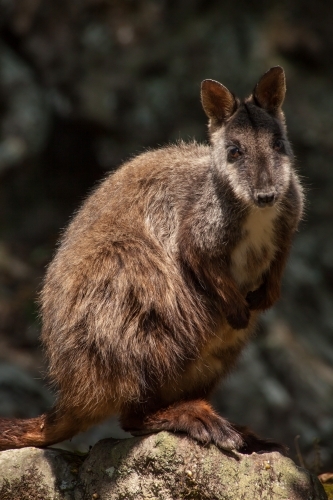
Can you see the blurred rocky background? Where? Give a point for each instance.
(85, 84)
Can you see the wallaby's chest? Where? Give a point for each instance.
(255, 250)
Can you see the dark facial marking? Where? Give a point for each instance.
(252, 117)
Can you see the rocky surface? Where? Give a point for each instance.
(161, 466)
(31, 473)
(84, 85)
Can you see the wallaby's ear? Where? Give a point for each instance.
(217, 101)
(270, 90)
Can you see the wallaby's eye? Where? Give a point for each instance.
(234, 153)
(279, 146)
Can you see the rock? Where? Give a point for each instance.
(161, 466)
(31, 473)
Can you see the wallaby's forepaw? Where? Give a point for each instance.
(260, 299)
(240, 319)
(255, 299)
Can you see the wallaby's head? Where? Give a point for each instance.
(249, 142)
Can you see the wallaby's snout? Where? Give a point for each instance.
(265, 198)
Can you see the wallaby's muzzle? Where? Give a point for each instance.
(265, 198)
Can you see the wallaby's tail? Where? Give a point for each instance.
(45, 430)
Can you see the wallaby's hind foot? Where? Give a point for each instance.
(195, 418)
(198, 420)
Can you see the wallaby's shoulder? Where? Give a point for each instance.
(153, 181)
(168, 169)
(152, 169)
(181, 157)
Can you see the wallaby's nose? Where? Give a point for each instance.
(265, 199)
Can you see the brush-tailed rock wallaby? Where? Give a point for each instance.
(159, 279)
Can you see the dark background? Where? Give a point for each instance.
(86, 84)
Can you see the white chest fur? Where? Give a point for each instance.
(253, 254)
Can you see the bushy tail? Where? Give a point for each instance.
(44, 430)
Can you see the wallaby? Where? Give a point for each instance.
(159, 279)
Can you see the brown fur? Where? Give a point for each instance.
(158, 280)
